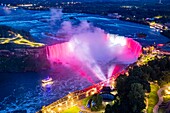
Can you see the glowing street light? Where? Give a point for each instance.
(59, 109)
(167, 91)
(92, 93)
(72, 103)
(169, 88)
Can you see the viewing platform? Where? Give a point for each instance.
(73, 98)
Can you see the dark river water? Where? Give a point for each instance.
(24, 91)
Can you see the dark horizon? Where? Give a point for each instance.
(54, 1)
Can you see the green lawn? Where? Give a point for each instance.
(153, 98)
(166, 98)
(74, 109)
(85, 100)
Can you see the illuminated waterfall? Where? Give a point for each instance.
(115, 49)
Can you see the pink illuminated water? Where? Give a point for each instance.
(101, 56)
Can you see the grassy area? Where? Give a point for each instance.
(148, 58)
(153, 98)
(74, 109)
(161, 110)
(85, 100)
(166, 98)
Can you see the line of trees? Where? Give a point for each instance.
(131, 89)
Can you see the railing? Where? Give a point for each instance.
(71, 99)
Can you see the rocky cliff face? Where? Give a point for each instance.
(23, 60)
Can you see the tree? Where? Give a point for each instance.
(137, 71)
(120, 83)
(115, 106)
(108, 109)
(136, 98)
(165, 79)
(96, 102)
(131, 91)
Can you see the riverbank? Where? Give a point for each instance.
(20, 53)
(24, 60)
(165, 33)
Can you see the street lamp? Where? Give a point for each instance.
(59, 109)
(72, 103)
(69, 96)
(167, 91)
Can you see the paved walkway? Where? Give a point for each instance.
(156, 107)
(87, 110)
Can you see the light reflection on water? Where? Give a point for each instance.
(23, 91)
(39, 21)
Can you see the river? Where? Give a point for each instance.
(23, 91)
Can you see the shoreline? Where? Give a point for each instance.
(122, 19)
